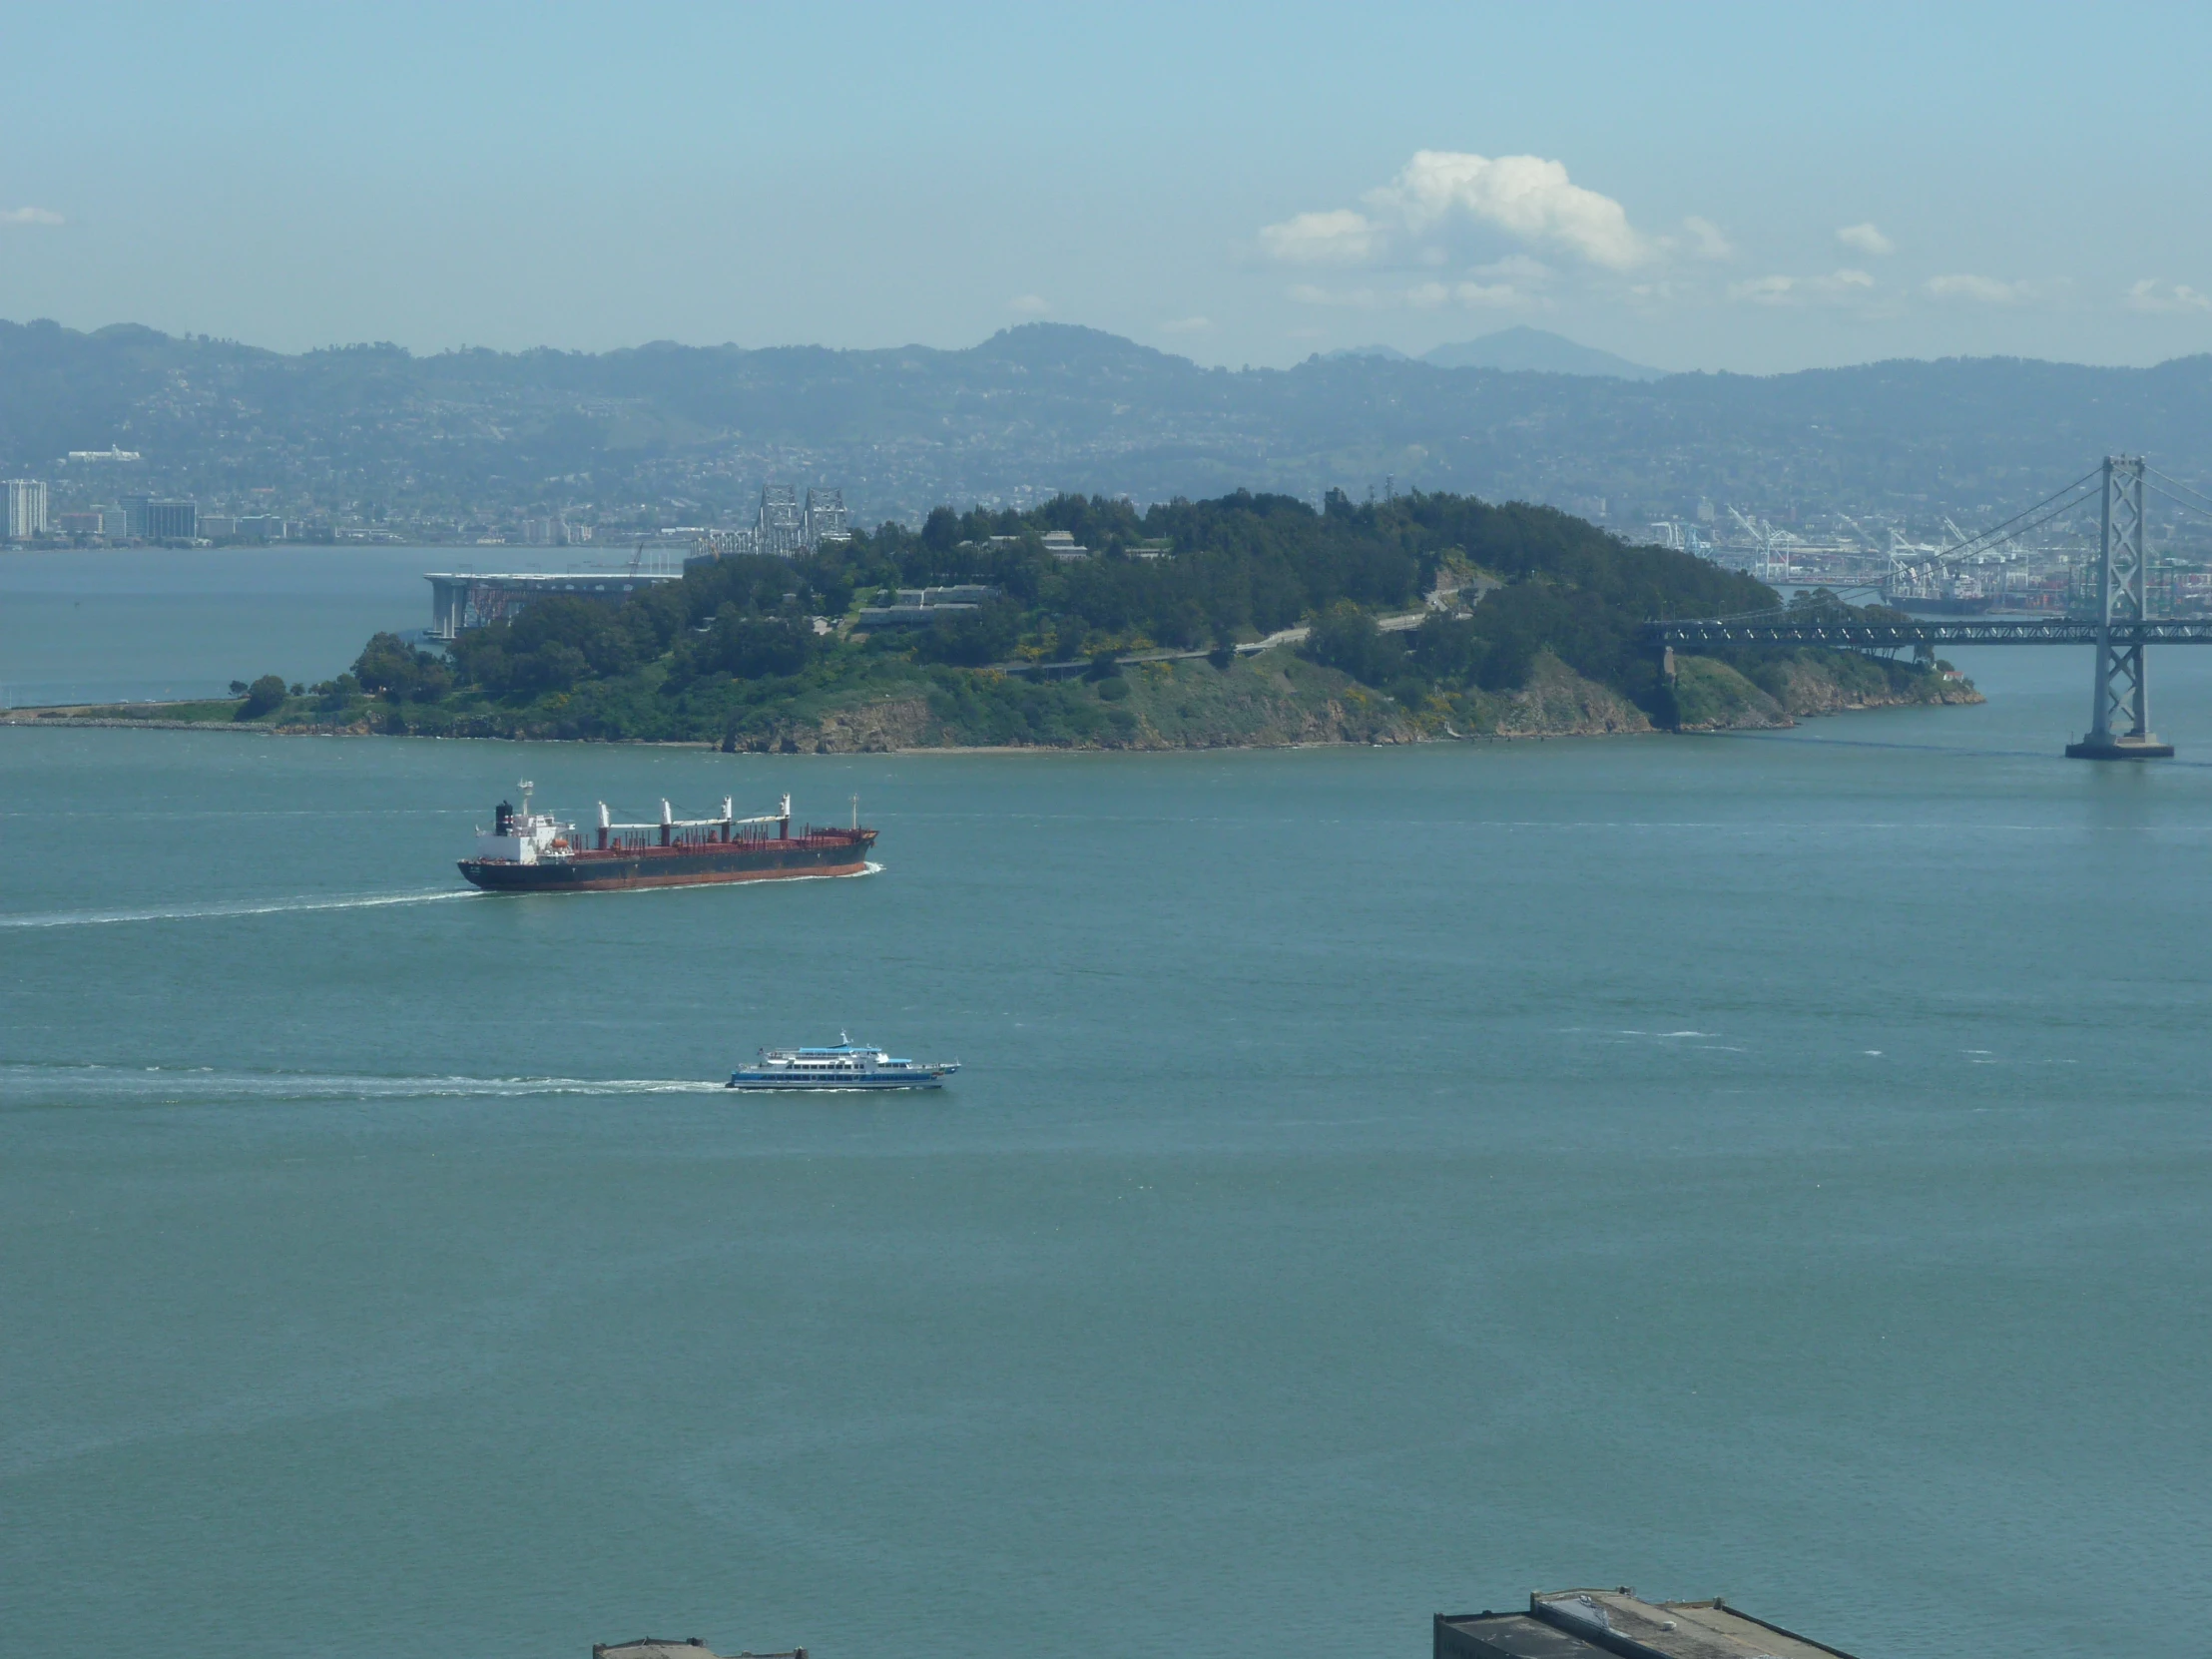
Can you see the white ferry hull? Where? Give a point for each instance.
(784, 1082)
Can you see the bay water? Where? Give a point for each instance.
(1381, 1181)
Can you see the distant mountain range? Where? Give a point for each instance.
(686, 434)
(1530, 350)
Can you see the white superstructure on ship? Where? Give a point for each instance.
(846, 1065)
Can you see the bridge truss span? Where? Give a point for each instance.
(1891, 636)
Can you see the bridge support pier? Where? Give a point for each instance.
(2119, 710)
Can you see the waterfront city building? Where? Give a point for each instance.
(169, 520)
(24, 508)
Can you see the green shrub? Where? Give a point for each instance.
(262, 696)
(1345, 637)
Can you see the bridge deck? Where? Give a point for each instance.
(1933, 631)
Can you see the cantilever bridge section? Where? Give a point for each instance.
(1804, 628)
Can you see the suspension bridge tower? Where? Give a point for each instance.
(2119, 714)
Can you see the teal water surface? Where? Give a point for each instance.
(153, 624)
(1382, 1182)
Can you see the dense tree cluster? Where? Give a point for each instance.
(1184, 574)
(262, 696)
(393, 669)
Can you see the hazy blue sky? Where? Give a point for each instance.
(1698, 187)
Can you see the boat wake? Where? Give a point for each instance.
(29, 1085)
(289, 906)
(240, 907)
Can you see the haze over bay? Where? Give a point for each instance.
(1379, 1179)
(1523, 689)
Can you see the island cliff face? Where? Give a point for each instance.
(1278, 700)
(1275, 699)
(1782, 687)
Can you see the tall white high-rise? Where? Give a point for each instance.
(25, 510)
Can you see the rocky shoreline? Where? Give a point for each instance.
(1274, 702)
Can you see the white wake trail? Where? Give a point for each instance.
(241, 908)
(92, 1084)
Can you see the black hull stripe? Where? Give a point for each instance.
(663, 871)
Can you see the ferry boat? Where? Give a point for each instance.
(849, 1065)
(533, 851)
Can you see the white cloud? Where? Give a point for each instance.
(1514, 267)
(1187, 325)
(1707, 239)
(1982, 291)
(1479, 295)
(1528, 198)
(1340, 237)
(1426, 296)
(1837, 288)
(31, 215)
(1307, 293)
(2151, 297)
(1767, 291)
(1028, 304)
(1866, 239)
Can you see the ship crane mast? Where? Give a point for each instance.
(729, 823)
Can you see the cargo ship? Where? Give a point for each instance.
(531, 852)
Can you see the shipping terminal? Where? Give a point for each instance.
(531, 852)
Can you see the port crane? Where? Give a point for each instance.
(1773, 546)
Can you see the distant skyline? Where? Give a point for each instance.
(1701, 187)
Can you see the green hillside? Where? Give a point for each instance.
(1508, 619)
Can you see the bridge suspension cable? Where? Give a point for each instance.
(2089, 485)
(2199, 505)
(2203, 502)
(1982, 541)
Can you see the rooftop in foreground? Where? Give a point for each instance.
(1585, 1624)
(691, 1647)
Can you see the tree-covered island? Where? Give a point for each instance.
(1420, 616)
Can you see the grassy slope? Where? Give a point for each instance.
(858, 702)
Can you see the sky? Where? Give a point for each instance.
(1695, 187)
